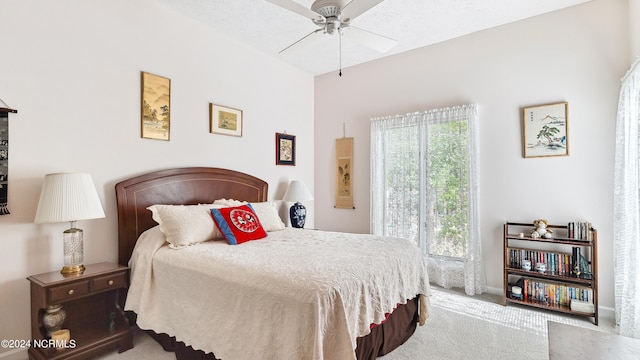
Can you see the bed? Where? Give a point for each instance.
(275, 298)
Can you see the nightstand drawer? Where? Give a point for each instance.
(114, 281)
(69, 291)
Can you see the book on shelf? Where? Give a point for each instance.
(571, 230)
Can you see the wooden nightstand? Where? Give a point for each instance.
(93, 304)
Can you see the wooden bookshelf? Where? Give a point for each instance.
(561, 283)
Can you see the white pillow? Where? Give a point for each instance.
(185, 225)
(268, 215)
(229, 202)
(266, 211)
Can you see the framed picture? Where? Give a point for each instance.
(225, 120)
(285, 149)
(546, 130)
(155, 118)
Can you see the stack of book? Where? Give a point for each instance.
(582, 306)
(580, 230)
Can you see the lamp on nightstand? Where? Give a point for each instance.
(296, 192)
(69, 197)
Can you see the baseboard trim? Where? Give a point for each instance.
(15, 354)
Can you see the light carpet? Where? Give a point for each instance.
(460, 327)
(463, 327)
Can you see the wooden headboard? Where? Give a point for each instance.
(182, 186)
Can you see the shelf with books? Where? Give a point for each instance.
(559, 265)
(556, 272)
(558, 308)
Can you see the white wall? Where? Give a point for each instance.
(577, 55)
(72, 70)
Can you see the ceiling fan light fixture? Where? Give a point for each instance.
(332, 26)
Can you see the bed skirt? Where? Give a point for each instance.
(383, 339)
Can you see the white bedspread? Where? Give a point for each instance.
(297, 294)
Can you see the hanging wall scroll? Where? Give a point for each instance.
(4, 157)
(155, 118)
(344, 172)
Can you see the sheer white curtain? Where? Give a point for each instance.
(395, 206)
(626, 227)
(406, 157)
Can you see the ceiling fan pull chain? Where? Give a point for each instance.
(340, 36)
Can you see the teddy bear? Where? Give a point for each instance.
(541, 229)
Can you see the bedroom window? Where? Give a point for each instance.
(423, 188)
(447, 189)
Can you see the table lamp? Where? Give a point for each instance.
(69, 197)
(296, 192)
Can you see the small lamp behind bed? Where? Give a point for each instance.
(297, 192)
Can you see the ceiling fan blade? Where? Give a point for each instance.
(357, 7)
(376, 42)
(298, 9)
(307, 38)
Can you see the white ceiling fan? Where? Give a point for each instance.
(334, 17)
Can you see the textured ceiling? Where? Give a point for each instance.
(413, 23)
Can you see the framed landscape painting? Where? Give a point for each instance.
(546, 130)
(225, 120)
(156, 100)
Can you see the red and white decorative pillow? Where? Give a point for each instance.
(238, 224)
(267, 212)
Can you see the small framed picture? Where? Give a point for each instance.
(155, 107)
(546, 130)
(225, 120)
(285, 149)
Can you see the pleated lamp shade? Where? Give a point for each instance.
(68, 197)
(297, 191)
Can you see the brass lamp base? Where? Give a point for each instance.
(72, 270)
